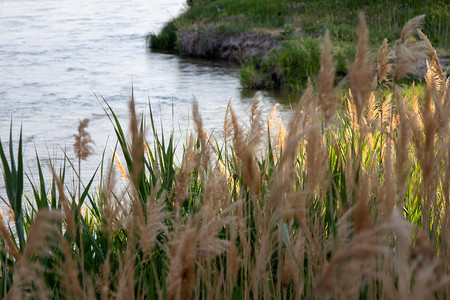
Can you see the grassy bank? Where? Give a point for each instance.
(301, 26)
(349, 200)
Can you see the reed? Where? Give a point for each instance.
(349, 200)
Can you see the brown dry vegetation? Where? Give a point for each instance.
(350, 200)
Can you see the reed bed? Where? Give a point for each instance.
(348, 200)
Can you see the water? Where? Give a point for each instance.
(57, 57)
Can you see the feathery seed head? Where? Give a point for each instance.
(361, 73)
(83, 141)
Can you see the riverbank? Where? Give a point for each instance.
(277, 43)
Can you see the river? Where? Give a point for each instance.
(58, 57)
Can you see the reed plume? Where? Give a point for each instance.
(431, 54)
(317, 157)
(277, 132)
(204, 140)
(182, 260)
(137, 144)
(402, 146)
(361, 74)
(83, 148)
(182, 178)
(155, 216)
(362, 217)
(67, 208)
(29, 282)
(5, 234)
(408, 52)
(69, 271)
(326, 91)
(384, 67)
(244, 152)
(256, 125)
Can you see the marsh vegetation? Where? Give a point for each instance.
(349, 199)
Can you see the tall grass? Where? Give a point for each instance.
(349, 200)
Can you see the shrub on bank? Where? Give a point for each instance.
(165, 40)
(293, 20)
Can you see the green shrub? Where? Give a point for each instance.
(343, 53)
(166, 39)
(250, 77)
(295, 62)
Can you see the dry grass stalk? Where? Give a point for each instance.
(209, 244)
(83, 148)
(431, 54)
(293, 264)
(204, 141)
(259, 273)
(387, 193)
(402, 147)
(327, 92)
(256, 125)
(411, 27)
(384, 67)
(109, 208)
(361, 215)
(317, 158)
(105, 280)
(227, 125)
(361, 74)
(234, 260)
(282, 184)
(137, 144)
(120, 167)
(421, 252)
(385, 112)
(137, 151)
(83, 141)
(5, 234)
(69, 271)
(441, 113)
(297, 122)
(279, 136)
(298, 126)
(434, 82)
(408, 51)
(352, 112)
(126, 280)
(216, 190)
(28, 281)
(248, 166)
(354, 257)
(182, 260)
(372, 111)
(428, 158)
(154, 224)
(68, 213)
(182, 178)
(274, 118)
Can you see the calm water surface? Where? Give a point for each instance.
(58, 56)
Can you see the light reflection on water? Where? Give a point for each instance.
(59, 57)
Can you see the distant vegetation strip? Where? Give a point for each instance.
(277, 42)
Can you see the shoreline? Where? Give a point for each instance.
(277, 44)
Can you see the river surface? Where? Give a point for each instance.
(58, 57)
